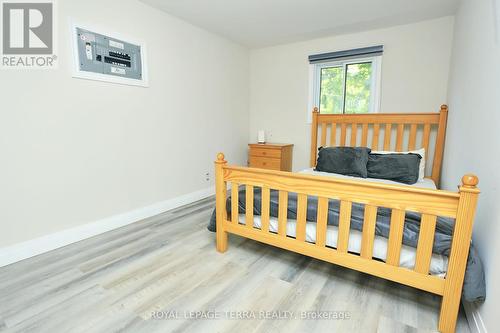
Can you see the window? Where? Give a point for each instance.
(345, 85)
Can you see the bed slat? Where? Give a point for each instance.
(354, 134)
(323, 134)
(413, 137)
(342, 134)
(344, 226)
(425, 140)
(321, 221)
(376, 131)
(368, 231)
(282, 213)
(399, 137)
(395, 237)
(234, 203)
(333, 135)
(301, 216)
(249, 206)
(425, 243)
(364, 136)
(264, 213)
(387, 136)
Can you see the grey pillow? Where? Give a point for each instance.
(402, 168)
(349, 161)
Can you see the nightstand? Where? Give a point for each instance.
(274, 156)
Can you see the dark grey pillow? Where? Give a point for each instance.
(349, 161)
(401, 168)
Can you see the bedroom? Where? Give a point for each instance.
(108, 185)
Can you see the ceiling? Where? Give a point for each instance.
(259, 23)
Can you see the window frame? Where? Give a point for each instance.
(315, 81)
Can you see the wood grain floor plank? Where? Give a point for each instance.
(27, 276)
(67, 311)
(231, 298)
(87, 248)
(300, 298)
(41, 272)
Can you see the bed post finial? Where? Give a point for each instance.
(220, 158)
(315, 110)
(444, 108)
(470, 180)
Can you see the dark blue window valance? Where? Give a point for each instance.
(355, 53)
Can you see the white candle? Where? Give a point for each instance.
(261, 138)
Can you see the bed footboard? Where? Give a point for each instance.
(460, 205)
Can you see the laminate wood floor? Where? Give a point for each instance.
(163, 274)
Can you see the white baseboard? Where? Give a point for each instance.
(31, 248)
(474, 318)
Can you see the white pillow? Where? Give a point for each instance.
(421, 152)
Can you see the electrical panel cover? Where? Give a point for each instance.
(105, 55)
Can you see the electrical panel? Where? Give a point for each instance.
(101, 54)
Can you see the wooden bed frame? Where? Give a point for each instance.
(460, 205)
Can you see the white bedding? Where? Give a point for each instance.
(425, 183)
(438, 264)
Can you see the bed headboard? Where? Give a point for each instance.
(383, 131)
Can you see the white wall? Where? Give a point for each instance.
(74, 151)
(473, 139)
(415, 71)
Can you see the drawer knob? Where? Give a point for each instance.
(264, 163)
(264, 153)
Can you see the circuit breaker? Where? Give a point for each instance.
(101, 54)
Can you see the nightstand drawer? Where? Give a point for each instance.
(265, 163)
(265, 152)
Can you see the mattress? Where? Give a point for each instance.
(438, 263)
(425, 183)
